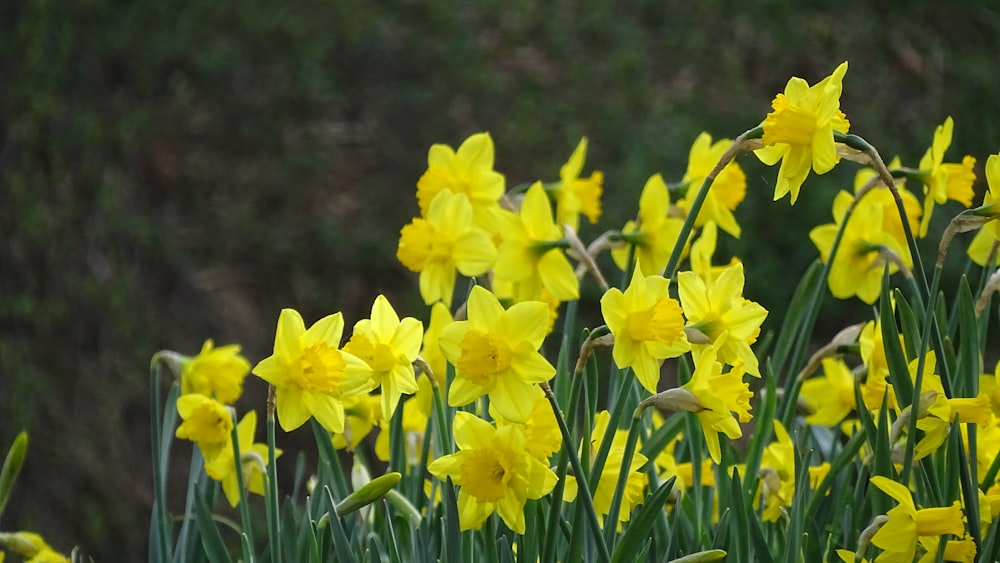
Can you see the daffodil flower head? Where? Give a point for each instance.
(831, 396)
(654, 233)
(648, 326)
(310, 373)
(215, 372)
(531, 256)
(361, 414)
(495, 352)
(634, 484)
(444, 240)
(389, 346)
(718, 395)
(778, 474)
(468, 171)
(799, 132)
(943, 181)
(253, 461)
(988, 236)
(32, 546)
(898, 537)
(865, 249)
(727, 191)
(891, 222)
(576, 195)
(719, 312)
(494, 471)
(205, 421)
(541, 430)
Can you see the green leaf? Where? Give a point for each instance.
(211, 539)
(638, 528)
(345, 551)
(12, 467)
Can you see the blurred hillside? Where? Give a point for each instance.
(180, 171)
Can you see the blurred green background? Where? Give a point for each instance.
(179, 171)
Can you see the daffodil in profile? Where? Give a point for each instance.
(467, 171)
(727, 191)
(944, 180)
(253, 462)
(653, 233)
(494, 473)
(389, 346)
(830, 397)
(989, 235)
(720, 313)
(444, 240)
(777, 471)
(648, 326)
(495, 353)
(864, 252)
(310, 373)
(898, 537)
(206, 422)
(531, 256)
(216, 372)
(799, 132)
(575, 195)
(635, 483)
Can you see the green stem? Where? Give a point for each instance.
(272, 482)
(739, 145)
(584, 490)
(245, 519)
(159, 479)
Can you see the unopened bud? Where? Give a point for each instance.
(677, 400)
(369, 493)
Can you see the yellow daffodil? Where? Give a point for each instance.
(963, 550)
(864, 250)
(310, 373)
(494, 473)
(389, 346)
(898, 537)
(727, 191)
(718, 395)
(31, 546)
(943, 181)
(469, 172)
(205, 421)
(576, 195)
(989, 236)
(608, 481)
(531, 255)
(654, 233)
(541, 429)
(253, 461)
(936, 421)
(830, 397)
(361, 414)
(647, 325)
(881, 195)
(777, 469)
(444, 240)
(495, 352)
(719, 312)
(215, 372)
(799, 131)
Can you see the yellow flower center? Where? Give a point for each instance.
(940, 520)
(421, 244)
(438, 178)
(662, 322)
(588, 191)
(376, 354)
(485, 474)
(320, 369)
(483, 356)
(789, 124)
